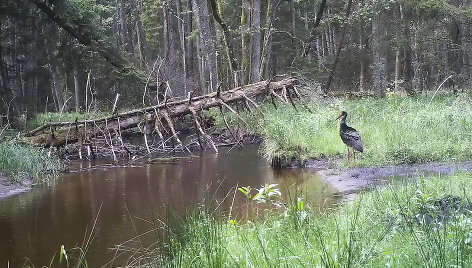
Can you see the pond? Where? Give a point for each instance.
(114, 210)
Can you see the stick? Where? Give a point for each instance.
(291, 101)
(437, 89)
(199, 128)
(64, 105)
(115, 159)
(157, 123)
(113, 111)
(253, 103)
(229, 129)
(145, 129)
(171, 126)
(272, 93)
(233, 111)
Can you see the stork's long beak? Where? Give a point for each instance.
(339, 116)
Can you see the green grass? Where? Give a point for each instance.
(44, 118)
(395, 130)
(383, 228)
(19, 160)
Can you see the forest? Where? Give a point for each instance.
(213, 133)
(78, 55)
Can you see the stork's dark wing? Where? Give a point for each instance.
(352, 138)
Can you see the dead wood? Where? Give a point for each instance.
(62, 133)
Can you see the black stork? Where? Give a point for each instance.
(350, 136)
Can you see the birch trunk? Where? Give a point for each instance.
(256, 41)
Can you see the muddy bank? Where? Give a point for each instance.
(296, 162)
(133, 146)
(131, 150)
(352, 180)
(9, 187)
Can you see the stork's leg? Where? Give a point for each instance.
(348, 154)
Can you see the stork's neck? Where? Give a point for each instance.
(343, 120)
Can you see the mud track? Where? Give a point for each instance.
(349, 181)
(9, 188)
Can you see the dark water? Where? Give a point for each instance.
(110, 208)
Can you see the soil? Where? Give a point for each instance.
(9, 187)
(349, 181)
(133, 146)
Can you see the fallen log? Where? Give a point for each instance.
(62, 133)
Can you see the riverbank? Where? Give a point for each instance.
(350, 181)
(10, 187)
(415, 218)
(396, 130)
(22, 166)
(420, 223)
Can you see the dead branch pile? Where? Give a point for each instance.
(159, 119)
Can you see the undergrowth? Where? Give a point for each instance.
(395, 130)
(44, 118)
(21, 160)
(383, 228)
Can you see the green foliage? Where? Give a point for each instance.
(152, 21)
(44, 118)
(63, 256)
(93, 13)
(376, 230)
(395, 130)
(21, 160)
(265, 194)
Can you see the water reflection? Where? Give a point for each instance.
(124, 202)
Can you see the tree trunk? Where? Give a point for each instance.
(170, 54)
(293, 26)
(379, 66)
(56, 88)
(208, 40)
(397, 70)
(81, 29)
(200, 55)
(467, 50)
(454, 51)
(4, 77)
(256, 41)
(218, 16)
(418, 78)
(71, 132)
(340, 46)
(245, 41)
(77, 90)
(188, 20)
(120, 17)
(182, 37)
(362, 56)
(408, 71)
(268, 31)
(141, 35)
(319, 15)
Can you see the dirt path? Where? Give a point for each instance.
(352, 180)
(9, 188)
